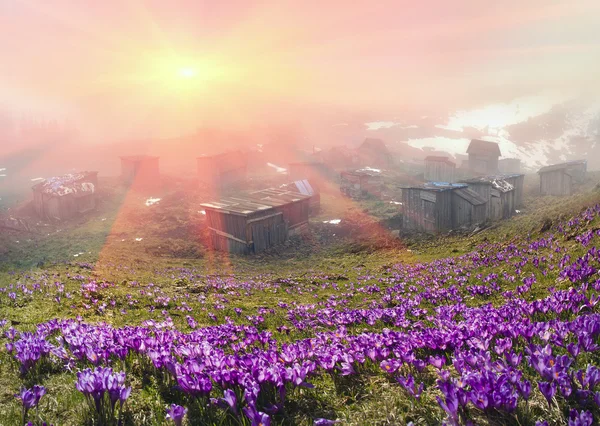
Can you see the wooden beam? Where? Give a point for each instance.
(258, 219)
(231, 237)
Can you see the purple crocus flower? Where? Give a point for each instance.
(257, 418)
(231, 400)
(176, 413)
(324, 422)
(584, 418)
(548, 390)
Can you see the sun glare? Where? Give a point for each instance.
(187, 72)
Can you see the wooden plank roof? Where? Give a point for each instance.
(562, 166)
(470, 196)
(256, 201)
(439, 159)
(478, 146)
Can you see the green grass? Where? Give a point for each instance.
(171, 235)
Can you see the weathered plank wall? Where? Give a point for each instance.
(439, 171)
(556, 182)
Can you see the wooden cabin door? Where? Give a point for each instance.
(428, 215)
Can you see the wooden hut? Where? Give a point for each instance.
(441, 207)
(439, 169)
(256, 221)
(222, 170)
(483, 157)
(374, 153)
(559, 179)
(484, 188)
(509, 165)
(67, 196)
(361, 183)
(507, 194)
(517, 180)
(500, 193)
(578, 170)
(468, 208)
(304, 187)
(428, 208)
(341, 157)
(140, 172)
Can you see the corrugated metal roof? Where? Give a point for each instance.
(304, 187)
(256, 201)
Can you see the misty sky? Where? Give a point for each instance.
(131, 67)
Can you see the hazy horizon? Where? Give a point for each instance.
(140, 69)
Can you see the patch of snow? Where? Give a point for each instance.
(448, 127)
(396, 202)
(37, 179)
(498, 116)
(517, 211)
(202, 211)
(139, 239)
(150, 201)
(2, 169)
(277, 168)
(376, 125)
(369, 169)
(333, 221)
(3, 175)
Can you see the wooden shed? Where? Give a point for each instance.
(578, 170)
(140, 172)
(517, 180)
(256, 221)
(483, 157)
(222, 170)
(304, 187)
(509, 165)
(508, 199)
(499, 192)
(559, 179)
(361, 183)
(441, 207)
(341, 157)
(67, 196)
(439, 169)
(484, 187)
(373, 152)
(428, 208)
(468, 208)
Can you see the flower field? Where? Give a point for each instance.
(508, 333)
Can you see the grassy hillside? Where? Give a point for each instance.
(344, 324)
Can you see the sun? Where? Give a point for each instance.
(187, 72)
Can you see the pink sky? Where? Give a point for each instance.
(112, 66)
